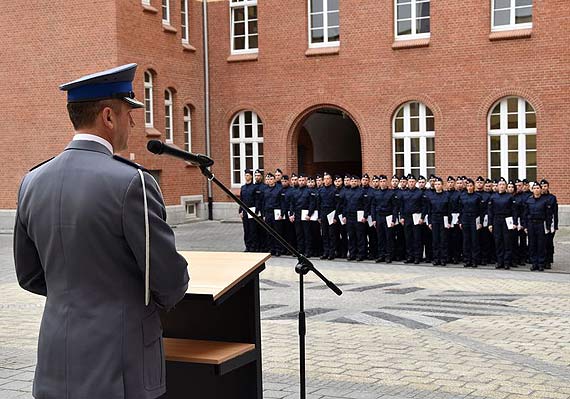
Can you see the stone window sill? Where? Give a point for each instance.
(188, 47)
(168, 28)
(401, 44)
(322, 51)
(150, 9)
(152, 132)
(510, 34)
(242, 57)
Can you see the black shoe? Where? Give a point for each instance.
(483, 263)
(548, 266)
(323, 257)
(388, 260)
(540, 268)
(359, 259)
(331, 257)
(497, 266)
(443, 264)
(409, 260)
(416, 262)
(467, 264)
(436, 263)
(507, 267)
(350, 259)
(277, 254)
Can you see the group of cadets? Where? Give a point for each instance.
(479, 221)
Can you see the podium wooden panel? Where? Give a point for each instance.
(213, 336)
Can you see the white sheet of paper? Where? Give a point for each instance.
(426, 220)
(304, 214)
(341, 218)
(315, 216)
(478, 222)
(546, 231)
(552, 230)
(416, 217)
(277, 214)
(446, 221)
(454, 219)
(359, 215)
(486, 221)
(253, 210)
(330, 217)
(510, 223)
(370, 221)
(389, 219)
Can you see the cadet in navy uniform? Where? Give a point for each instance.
(356, 228)
(454, 238)
(470, 221)
(413, 201)
(426, 232)
(287, 227)
(272, 201)
(262, 244)
(500, 207)
(399, 185)
(370, 231)
(91, 235)
(383, 205)
(483, 233)
(512, 189)
(328, 202)
(303, 199)
(289, 196)
(521, 240)
(439, 209)
(343, 246)
(554, 225)
(536, 219)
(315, 225)
(248, 195)
(342, 242)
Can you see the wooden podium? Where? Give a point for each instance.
(212, 339)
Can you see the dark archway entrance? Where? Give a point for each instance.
(329, 141)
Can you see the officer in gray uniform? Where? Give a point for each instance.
(91, 236)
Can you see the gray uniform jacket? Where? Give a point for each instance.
(79, 240)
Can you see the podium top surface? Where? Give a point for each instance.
(215, 273)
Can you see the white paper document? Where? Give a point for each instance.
(341, 218)
(304, 214)
(478, 222)
(454, 219)
(510, 223)
(315, 216)
(416, 217)
(546, 230)
(330, 217)
(389, 219)
(426, 220)
(486, 221)
(370, 221)
(359, 215)
(446, 221)
(277, 214)
(253, 210)
(552, 229)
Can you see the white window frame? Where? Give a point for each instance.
(504, 132)
(188, 128)
(166, 12)
(512, 24)
(145, 2)
(245, 4)
(185, 32)
(149, 110)
(242, 141)
(168, 122)
(413, 35)
(325, 28)
(407, 135)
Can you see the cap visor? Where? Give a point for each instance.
(133, 103)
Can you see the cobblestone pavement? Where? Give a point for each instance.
(398, 331)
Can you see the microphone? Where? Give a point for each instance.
(158, 147)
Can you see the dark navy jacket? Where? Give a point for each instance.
(537, 210)
(303, 198)
(454, 196)
(384, 203)
(413, 201)
(249, 197)
(367, 194)
(290, 194)
(501, 206)
(554, 206)
(471, 208)
(327, 200)
(354, 201)
(438, 207)
(272, 199)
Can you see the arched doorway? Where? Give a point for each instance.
(328, 140)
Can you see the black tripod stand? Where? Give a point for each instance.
(303, 267)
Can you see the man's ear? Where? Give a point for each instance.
(107, 117)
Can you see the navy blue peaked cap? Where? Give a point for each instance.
(112, 83)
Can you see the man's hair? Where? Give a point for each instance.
(84, 114)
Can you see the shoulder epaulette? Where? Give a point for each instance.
(40, 164)
(130, 163)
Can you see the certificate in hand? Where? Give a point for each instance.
(359, 215)
(277, 214)
(304, 214)
(417, 217)
(330, 217)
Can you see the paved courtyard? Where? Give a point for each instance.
(397, 332)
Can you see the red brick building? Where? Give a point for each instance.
(473, 87)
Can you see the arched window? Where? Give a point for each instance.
(413, 132)
(148, 105)
(244, 35)
(246, 145)
(168, 115)
(187, 128)
(512, 139)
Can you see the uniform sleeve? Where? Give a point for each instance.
(313, 202)
(395, 208)
(240, 209)
(555, 212)
(29, 269)
(490, 211)
(168, 269)
(460, 209)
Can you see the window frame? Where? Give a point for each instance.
(187, 128)
(505, 133)
(168, 113)
(165, 11)
(184, 22)
(512, 18)
(150, 109)
(255, 140)
(325, 27)
(407, 135)
(413, 18)
(245, 4)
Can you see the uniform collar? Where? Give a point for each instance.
(88, 145)
(91, 137)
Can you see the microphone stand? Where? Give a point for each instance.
(303, 267)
